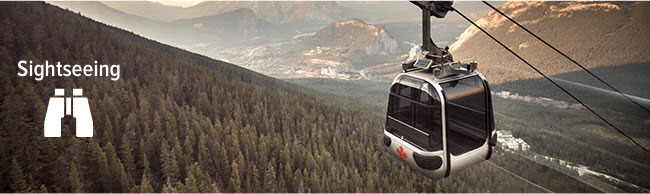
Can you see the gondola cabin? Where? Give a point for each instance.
(439, 119)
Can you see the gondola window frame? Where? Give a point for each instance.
(397, 98)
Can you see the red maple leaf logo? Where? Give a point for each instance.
(401, 152)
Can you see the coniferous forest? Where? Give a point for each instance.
(181, 122)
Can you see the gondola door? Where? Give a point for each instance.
(414, 125)
(468, 121)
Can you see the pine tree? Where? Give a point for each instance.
(120, 182)
(144, 107)
(12, 123)
(204, 152)
(18, 181)
(191, 184)
(204, 181)
(8, 36)
(146, 170)
(214, 187)
(135, 189)
(157, 121)
(167, 188)
(169, 164)
(107, 136)
(144, 161)
(314, 182)
(145, 186)
(126, 151)
(311, 163)
(35, 106)
(241, 164)
(60, 174)
(177, 151)
(235, 182)
(257, 184)
(188, 150)
(100, 168)
(301, 187)
(297, 181)
(222, 159)
(287, 174)
(281, 184)
(75, 183)
(43, 189)
(269, 179)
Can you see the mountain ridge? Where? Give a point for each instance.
(242, 25)
(352, 33)
(276, 12)
(593, 33)
(206, 31)
(147, 9)
(340, 50)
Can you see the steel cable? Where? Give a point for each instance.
(566, 56)
(553, 82)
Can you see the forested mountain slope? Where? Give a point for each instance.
(181, 122)
(100, 12)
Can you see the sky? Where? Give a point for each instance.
(179, 3)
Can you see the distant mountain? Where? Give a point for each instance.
(105, 14)
(341, 47)
(224, 29)
(381, 11)
(286, 12)
(356, 39)
(593, 33)
(147, 9)
(101, 12)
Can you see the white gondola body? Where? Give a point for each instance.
(450, 163)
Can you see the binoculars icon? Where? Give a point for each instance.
(60, 106)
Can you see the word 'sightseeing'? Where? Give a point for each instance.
(40, 71)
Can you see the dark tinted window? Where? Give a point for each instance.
(409, 87)
(405, 109)
(423, 109)
(466, 114)
(424, 96)
(393, 101)
(406, 91)
(428, 115)
(412, 104)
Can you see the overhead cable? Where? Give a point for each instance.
(566, 56)
(553, 82)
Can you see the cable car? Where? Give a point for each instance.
(440, 120)
(439, 117)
